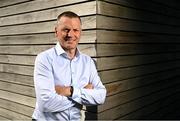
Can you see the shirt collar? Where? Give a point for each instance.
(61, 51)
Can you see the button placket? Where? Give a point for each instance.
(72, 73)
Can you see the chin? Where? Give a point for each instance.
(70, 47)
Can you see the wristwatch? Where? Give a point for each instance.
(71, 90)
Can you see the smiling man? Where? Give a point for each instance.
(64, 78)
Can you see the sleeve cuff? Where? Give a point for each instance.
(76, 96)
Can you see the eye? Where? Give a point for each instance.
(76, 30)
(66, 30)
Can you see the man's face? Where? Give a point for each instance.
(68, 32)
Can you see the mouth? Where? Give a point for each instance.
(68, 39)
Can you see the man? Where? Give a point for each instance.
(64, 78)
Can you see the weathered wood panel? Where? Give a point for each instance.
(35, 5)
(139, 81)
(17, 78)
(129, 49)
(35, 49)
(133, 105)
(17, 69)
(49, 14)
(18, 98)
(16, 88)
(156, 108)
(104, 62)
(13, 106)
(135, 92)
(174, 4)
(13, 115)
(138, 58)
(26, 29)
(5, 3)
(124, 73)
(135, 14)
(43, 27)
(169, 112)
(149, 6)
(131, 25)
(4, 118)
(114, 62)
(108, 36)
(164, 104)
(44, 38)
(135, 43)
(18, 59)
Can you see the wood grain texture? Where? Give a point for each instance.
(137, 103)
(18, 98)
(154, 109)
(124, 73)
(125, 87)
(131, 25)
(13, 106)
(35, 6)
(43, 27)
(26, 29)
(138, 58)
(131, 49)
(43, 38)
(17, 78)
(5, 3)
(121, 11)
(114, 62)
(149, 6)
(139, 81)
(108, 36)
(16, 88)
(49, 14)
(135, 44)
(36, 49)
(13, 115)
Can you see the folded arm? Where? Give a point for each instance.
(68, 90)
(93, 93)
(47, 98)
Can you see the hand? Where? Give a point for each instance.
(89, 86)
(64, 91)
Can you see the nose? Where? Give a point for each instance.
(70, 33)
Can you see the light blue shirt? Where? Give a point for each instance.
(53, 67)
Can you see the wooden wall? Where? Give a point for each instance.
(27, 28)
(138, 52)
(135, 43)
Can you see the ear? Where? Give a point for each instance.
(55, 29)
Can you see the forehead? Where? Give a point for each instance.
(71, 22)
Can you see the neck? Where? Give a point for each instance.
(71, 53)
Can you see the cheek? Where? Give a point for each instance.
(78, 35)
(60, 35)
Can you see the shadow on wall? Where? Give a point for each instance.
(91, 113)
(157, 87)
(154, 81)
